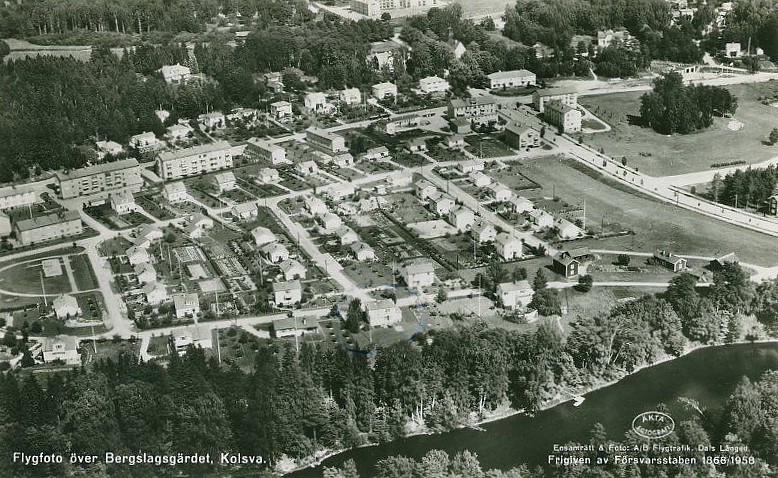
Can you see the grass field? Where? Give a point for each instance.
(83, 273)
(656, 224)
(660, 155)
(26, 278)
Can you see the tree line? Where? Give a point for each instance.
(745, 187)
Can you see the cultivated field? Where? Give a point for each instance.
(660, 155)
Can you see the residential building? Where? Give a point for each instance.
(511, 79)
(275, 252)
(350, 96)
(521, 137)
(433, 84)
(382, 90)
(343, 160)
(5, 225)
(480, 179)
(175, 74)
(509, 247)
(515, 295)
(100, 178)
(197, 337)
(606, 38)
(567, 118)
(418, 275)
(263, 235)
(425, 189)
(287, 294)
(499, 191)
(145, 272)
(565, 265)
(441, 204)
(521, 204)
(772, 205)
(329, 142)
(62, 348)
(541, 219)
(471, 165)
(18, 196)
(280, 109)
(49, 227)
(123, 203)
(316, 101)
(456, 141)
(146, 234)
(212, 121)
(340, 191)
(383, 313)
(143, 142)
(179, 132)
(137, 255)
(245, 211)
(328, 223)
(225, 181)
(260, 149)
(295, 326)
(376, 154)
(669, 260)
(268, 175)
(382, 54)
(315, 206)
(461, 218)
(733, 50)
(720, 262)
(375, 8)
(567, 230)
(175, 192)
(194, 161)
(483, 232)
(362, 252)
(186, 305)
(155, 293)
(480, 110)
(408, 120)
(105, 148)
(346, 235)
(567, 96)
(66, 307)
(307, 167)
(292, 269)
(416, 145)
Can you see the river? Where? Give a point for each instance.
(708, 375)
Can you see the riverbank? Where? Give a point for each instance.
(503, 413)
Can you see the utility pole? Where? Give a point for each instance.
(43, 289)
(584, 214)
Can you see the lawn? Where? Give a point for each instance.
(484, 146)
(26, 278)
(660, 155)
(108, 349)
(83, 272)
(656, 224)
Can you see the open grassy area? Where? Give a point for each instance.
(83, 273)
(656, 224)
(660, 155)
(26, 277)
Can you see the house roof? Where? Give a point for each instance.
(193, 151)
(360, 246)
(101, 168)
(64, 300)
(564, 258)
(514, 286)
(177, 187)
(419, 268)
(291, 264)
(501, 75)
(185, 301)
(47, 220)
(289, 285)
(479, 101)
(291, 323)
(71, 343)
(380, 304)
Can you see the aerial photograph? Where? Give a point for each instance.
(389, 239)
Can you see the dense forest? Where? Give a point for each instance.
(750, 417)
(673, 107)
(295, 402)
(744, 187)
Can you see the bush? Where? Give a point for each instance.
(585, 283)
(622, 260)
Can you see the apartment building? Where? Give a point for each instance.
(481, 110)
(48, 228)
(194, 161)
(566, 96)
(566, 118)
(512, 78)
(323, 139)
(101, 178)
(257, 148)
(17, 196)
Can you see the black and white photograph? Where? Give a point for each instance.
(389, 239)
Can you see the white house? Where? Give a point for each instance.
(462, 218)
(541, 219)
(425, 189)
(175, 192)
(123, 202)
(376, 154)
(66, 306)
(307, 167)
(441, 204)
(281, 109)
(456, 141)
(508, 246)
(469, 166)
(213, 120)
(433, 84)
(293, 269)
(362, 252)
(500, 192)
(287, 294)
(268, 175)
(419, 275)
(315, 206)
(186, 305)
(341, 190)
(346, 235)
(155, 293)
(483, 232)
(382, 90)
(515, 295)
(316, 101)
(145, 272)
(566, 229)
(350, 96)
(479, 179)
(225, 181)
(175, 74)
(510, 79)
(178, 132)
(275, 252)
(61, 348)
(108, 147)
(521, 204)
(137, 255)
(245, 211)
(383, 313)
(263, 235)
(343, 160)
(328, 223)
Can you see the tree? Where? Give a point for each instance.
(585, 283)
(540, 281)
(441, 296)
(355, 316)
(622, 260)
(546, 302)
(774, 136)
(386, 16)
(9, 338)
